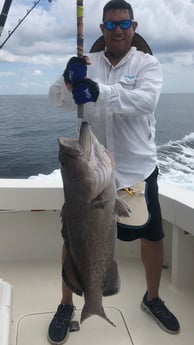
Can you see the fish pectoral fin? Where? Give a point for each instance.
(112, 281)
(122, 208)
(70, 275)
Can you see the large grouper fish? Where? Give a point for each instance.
(88, 218)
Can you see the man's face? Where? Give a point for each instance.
(118, 41)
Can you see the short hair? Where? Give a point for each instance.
(117, 4)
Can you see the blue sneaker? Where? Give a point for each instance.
(58, 331)
(161, 314)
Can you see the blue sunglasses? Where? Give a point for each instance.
(123, 24)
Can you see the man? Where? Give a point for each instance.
(120, 88)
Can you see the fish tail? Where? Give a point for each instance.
(86, 313)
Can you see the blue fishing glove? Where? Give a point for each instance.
(85, 91)
(76, 70)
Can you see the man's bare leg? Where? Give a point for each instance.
(58, 330)
(152, 254)
(67, 297)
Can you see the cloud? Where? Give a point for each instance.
(47, 37)
(37, 72)
(168, 26)
(7, 74)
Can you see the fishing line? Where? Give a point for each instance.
(10, 33)
(12, 104)
(26, 63)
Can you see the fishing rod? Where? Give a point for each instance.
(80, 44)
(4, 16)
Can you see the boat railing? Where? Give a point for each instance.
(177, 204)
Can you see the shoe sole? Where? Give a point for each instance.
(62, 341)
(148, 311)
(58, 342)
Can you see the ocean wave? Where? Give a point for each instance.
(55, 175)
(175, 160)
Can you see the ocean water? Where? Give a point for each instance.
(30, 127)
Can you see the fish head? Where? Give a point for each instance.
(86, 165)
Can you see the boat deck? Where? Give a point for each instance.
(37, 291)
(30, 244)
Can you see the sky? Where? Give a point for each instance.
(36, 54)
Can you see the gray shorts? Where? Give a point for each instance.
(153, 230)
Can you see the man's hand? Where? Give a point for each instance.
(76, 70)
(85, 91)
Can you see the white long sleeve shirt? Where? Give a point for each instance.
(122, 118)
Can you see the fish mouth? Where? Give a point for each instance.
(69, 146)
(85, 139)
(84, 131)
(78, 147)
